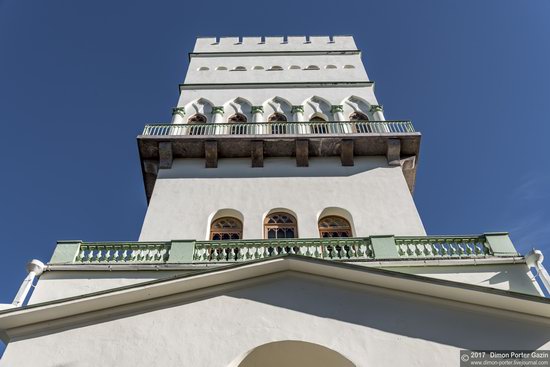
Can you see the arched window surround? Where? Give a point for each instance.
(358, 116)
(334, 226)
(277, 119)
(318, 128)
(280, 225)
(226, 228)
(237, 118)
(196, 119)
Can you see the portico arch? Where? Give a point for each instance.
(292, 353)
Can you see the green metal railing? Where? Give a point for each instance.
(280, 128)
(339, 249)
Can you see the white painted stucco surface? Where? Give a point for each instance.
(334, 68)
(369, 326)
(56, 285)
(187, 196)
(214, 61)
(513, 277)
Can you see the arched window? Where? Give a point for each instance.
(196, 119)
(226, 228)
(277, 126)
(238, 119)
(239, 68)
(349, 67)
(275, 68)
(317, 119)
(333, 226)
(330, 67)
(321, 127)
(359, 116)
(203, 68)
(221, 68)
(280, 225)
(294, 67)
(258, 68)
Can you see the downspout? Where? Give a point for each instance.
(35, 268)
(534, 259)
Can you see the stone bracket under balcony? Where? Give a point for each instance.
(159, 145)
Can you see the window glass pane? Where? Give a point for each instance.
(280, 225)
(226, 229)
(333, 226)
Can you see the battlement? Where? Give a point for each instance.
(274, 44)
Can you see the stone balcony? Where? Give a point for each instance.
(159, 144)
(492, 246)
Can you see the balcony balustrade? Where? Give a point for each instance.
(160, 144)
(281, 128)
(375, 248)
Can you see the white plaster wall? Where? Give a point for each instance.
(513, 277)
(186, 196)
(369, 326)
(53, 285)
(342, 72)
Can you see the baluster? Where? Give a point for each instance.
(198, 253)
(245, 252)
(81, 254)
(257, 247)
(471, 247)
(413, 248)
(461, 247)
(106, 253)
(92, 254)
(160, 254)
(350, 250)
(148, 254)
(141, 252)
(155, 253)
(133, 253)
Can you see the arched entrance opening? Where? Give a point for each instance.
(292, 353)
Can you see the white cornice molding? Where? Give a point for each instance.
(65, 312)
(368, 264)
(327, 84)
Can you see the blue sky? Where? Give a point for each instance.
(78, 80)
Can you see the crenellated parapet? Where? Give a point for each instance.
(274, 44)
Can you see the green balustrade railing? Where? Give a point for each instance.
(339, 249)
(124, 252)
(442, 246)
(333, 248)
(280, 128)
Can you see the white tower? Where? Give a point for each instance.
(280, 231)
(268, 126)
